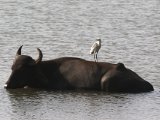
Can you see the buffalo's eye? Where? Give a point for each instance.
(20, 67)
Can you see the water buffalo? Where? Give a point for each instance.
(73, 73)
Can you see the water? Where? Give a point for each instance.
(130, 33)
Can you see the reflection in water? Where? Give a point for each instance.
(33, 104)
(23, 103)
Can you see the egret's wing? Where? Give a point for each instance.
(95, 45)
(93, 48)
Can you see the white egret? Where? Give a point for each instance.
(95, 48)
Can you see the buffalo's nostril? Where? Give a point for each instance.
(5, 86)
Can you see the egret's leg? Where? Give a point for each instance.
(96, 57)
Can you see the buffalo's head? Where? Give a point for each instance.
(25, 71)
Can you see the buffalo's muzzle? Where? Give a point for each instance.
(5, 86)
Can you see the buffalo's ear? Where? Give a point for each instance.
(32, 63)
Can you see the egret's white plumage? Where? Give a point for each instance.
(95, 48)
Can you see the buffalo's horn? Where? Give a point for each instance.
(40, 56)
(19, 51)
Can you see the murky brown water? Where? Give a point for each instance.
(130, 33)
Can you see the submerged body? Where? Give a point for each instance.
(74, 73)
